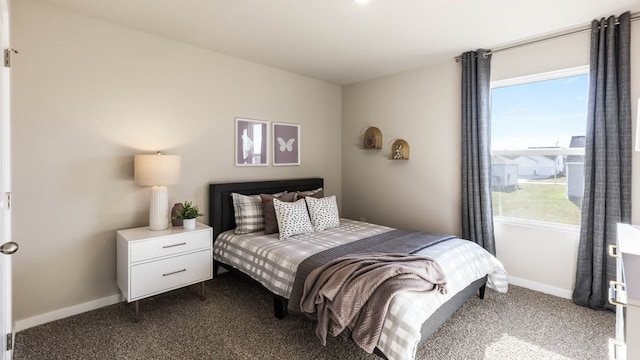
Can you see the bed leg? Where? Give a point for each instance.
(481, 290)
(278, 307)
(216, 266)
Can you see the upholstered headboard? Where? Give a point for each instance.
(221, 214)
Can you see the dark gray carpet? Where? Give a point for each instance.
(235, 322)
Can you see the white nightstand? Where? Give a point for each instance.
(154, 262)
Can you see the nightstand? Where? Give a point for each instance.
(624, 293)
(154, 262)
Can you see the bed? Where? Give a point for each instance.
(412, 318)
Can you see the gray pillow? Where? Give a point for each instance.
(317, 193)
(270, 220)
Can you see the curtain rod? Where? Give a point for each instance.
(558, 35)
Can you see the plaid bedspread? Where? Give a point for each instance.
(273, 263)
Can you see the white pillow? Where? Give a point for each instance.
(323, 212)
(293, 218)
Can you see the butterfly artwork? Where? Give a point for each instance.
(286, 144)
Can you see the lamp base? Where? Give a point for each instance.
(159, 208)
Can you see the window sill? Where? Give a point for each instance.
(536, 224)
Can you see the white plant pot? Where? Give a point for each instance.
(189, 224)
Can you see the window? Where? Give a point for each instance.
(538, 126)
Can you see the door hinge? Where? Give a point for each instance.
(9, 342)
(7, 56)
(7, 198)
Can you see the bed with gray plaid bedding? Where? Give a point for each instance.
(273, 263)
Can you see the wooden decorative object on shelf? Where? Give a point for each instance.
(400, 150)
(372, 138)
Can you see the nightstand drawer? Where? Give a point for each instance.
(159, 276)
(169, 245)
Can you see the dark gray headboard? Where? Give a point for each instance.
(221, 214)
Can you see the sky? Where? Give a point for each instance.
(542, 113)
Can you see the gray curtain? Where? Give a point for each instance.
(477, 216)
(607, 193)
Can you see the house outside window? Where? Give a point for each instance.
(537, 144)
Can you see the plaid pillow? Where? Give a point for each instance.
(248, 213)
(317, 193)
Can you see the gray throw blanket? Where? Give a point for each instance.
(353, 292)
(397, 241)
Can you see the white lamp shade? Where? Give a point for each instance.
(157, 169)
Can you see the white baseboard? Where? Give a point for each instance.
(547, 289)
(24, 324)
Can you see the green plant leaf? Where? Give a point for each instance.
(189, 211)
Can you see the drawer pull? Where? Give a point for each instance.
(174, 245)
(617, 293)
(174, 272)
(613, 251)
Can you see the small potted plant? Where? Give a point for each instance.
(188, 214)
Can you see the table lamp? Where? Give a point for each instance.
(157, 171)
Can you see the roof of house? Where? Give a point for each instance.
(497, 159)
(577, 142)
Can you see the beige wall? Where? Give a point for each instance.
(421, 107)
(87, 96)
(423, 193)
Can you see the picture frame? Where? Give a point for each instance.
(252, 142)
(286, 144)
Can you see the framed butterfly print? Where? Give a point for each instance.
(286, 144)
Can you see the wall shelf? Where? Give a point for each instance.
(400, 150)
(372, 139)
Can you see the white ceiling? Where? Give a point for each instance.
(342, 42)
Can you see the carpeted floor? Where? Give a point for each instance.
(235, 322)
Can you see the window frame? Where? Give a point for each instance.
(521, 80)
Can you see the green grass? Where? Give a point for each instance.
(537, 201)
